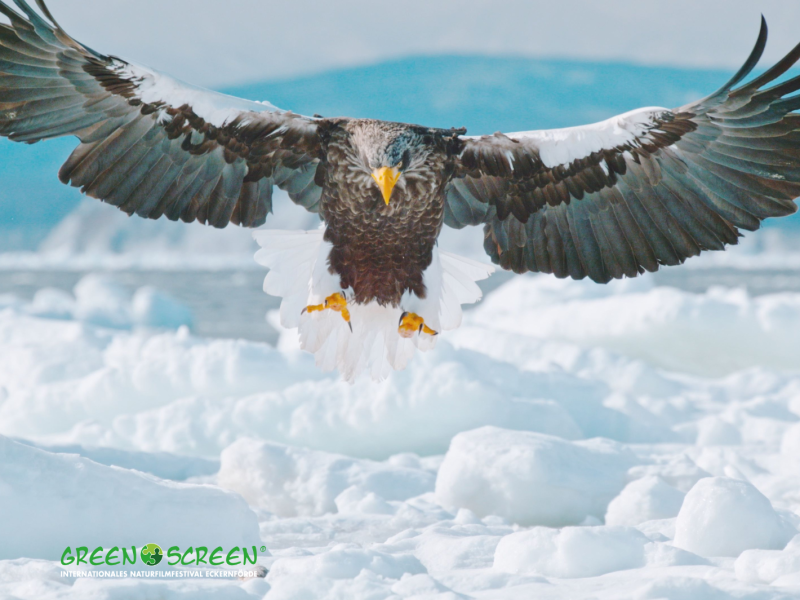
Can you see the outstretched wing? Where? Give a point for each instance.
(647, 188)
(149, 144)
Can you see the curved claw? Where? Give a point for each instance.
(336, 302)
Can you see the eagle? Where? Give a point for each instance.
(613, 199)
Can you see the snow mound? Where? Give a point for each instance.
(714, 333)
(153, 308)
(571, 552)
(713, 431)
(160, 464)
(171, 392)
(531, 478)
(643, 500)
(99, 236)
(342, 572)
(466, 543)
(99, 300)
(790, 445)
(767, 566)
(291, 481)
(721, 516)
(344, 562)
(51, 501)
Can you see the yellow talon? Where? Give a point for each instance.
(336, 302)
(411, 323)
(428, 330)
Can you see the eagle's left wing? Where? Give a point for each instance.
(150, 145)
(647, 188)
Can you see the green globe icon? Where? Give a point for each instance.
(152, 554)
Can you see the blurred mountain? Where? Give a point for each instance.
(481, 93)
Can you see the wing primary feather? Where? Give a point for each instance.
(574, 264)
(587, 245)
(556, 248)
(662, 246)
(640, 246)
(744, 71)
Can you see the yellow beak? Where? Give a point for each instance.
(386, 178)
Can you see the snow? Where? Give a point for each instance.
(721, 516)
(568, 441)
(768, 566)
(152, 308)
(718, 332)
(51, 501)
(98, 299)
(290, 481)
(99, 236)
(646, 499)
(571, 552)
(531, 478)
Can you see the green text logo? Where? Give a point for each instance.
(152, 555)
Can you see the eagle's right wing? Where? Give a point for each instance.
(149, 144)
(647, 188)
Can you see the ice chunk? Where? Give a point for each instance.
(51, 501)
(531, 478)
(713, 431)
(790, 446)
(572, 551)
(102, 301)
(344, 561)
(680, 472)
(713, 333)
(293, 481)
(52, 303)
(275, 396)
(765, 566)
(447, 546)
(160, 464)
(153, 308)
(724, 517)
(643, 500)
(357, 501)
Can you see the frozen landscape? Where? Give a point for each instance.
(570, 440)
(634, 441)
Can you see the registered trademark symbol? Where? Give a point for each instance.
(263, 548)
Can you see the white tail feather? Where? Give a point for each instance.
(298, 273)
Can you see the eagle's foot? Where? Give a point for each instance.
(411, 323)
(335, 302)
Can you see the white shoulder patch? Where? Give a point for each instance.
(562, 146)
(217, 109)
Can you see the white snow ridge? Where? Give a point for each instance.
(567, 441)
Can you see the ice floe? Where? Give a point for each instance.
(569, 441)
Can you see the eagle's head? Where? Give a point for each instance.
(390, 151)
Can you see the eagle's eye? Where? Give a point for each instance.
(405, 160)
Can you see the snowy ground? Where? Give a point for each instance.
(629, 441)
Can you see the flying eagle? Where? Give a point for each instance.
(614, 199)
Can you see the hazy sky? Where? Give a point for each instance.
(219, 42)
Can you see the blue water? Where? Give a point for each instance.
(481, 93)
(487, 94)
